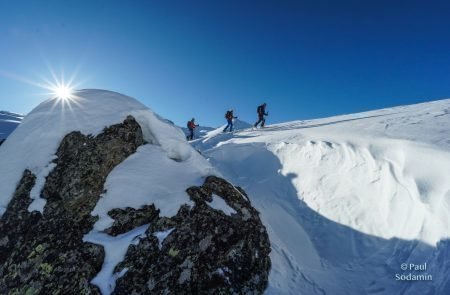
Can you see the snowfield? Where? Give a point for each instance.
(348, 199)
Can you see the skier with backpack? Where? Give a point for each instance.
(261, 110)
(191, 126)
(229, 116)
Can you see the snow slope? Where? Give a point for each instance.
(348, 199)
(8, 122)
(200, 131)
(203, 132)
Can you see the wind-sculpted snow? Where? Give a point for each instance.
(347, 200)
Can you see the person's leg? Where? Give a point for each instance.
(226, 127)
(263, 122)
(257, 122)
(231, 126)
(192, 134)
(260, 118)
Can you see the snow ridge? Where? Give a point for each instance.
(348, 199)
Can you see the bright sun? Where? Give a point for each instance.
(62, 92)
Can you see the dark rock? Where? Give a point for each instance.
(129, 218)
(208, 252)
(44, 253)
(205, 251)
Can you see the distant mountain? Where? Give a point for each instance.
(8, 122)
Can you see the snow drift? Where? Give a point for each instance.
(348, 199)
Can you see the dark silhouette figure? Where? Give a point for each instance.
(261, 110)
(191, 126)
(229, 116)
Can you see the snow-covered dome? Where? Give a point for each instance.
(34, 143)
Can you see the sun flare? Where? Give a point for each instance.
(63, 92)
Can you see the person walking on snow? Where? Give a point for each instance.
(229, 116)
(261, 110)
(191, 126)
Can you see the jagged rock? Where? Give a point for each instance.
(207, 251)
(200, 250)
(44, 253)
(129, 218)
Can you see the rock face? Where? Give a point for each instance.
(45, 252)
(206, 252)
(203, 251)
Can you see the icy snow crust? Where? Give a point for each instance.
(348, 199)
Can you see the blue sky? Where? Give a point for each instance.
(306, 59)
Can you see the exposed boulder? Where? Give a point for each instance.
(200, 250)
(45, 251)
(205, 252)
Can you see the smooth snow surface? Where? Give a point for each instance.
(162, 235)
(219, 204)
(150, 177)
(348, 199)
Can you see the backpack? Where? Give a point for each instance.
(190, 125)
(259, 109)
(228, 115)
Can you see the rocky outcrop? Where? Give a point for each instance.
(201, 250)
(206, 252)
(45, 252)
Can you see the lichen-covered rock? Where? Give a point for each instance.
(200, 250)
(45, 253)
(206, 251)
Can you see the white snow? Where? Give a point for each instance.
(115, 250)
(347, 199)
(34, 143)
(162, 235)
(219, 204)
(38, 203)
(150, 177)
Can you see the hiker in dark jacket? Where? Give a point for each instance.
(191, 126)
(261, 110)
(229, 116)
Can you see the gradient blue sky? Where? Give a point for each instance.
(306, 59)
